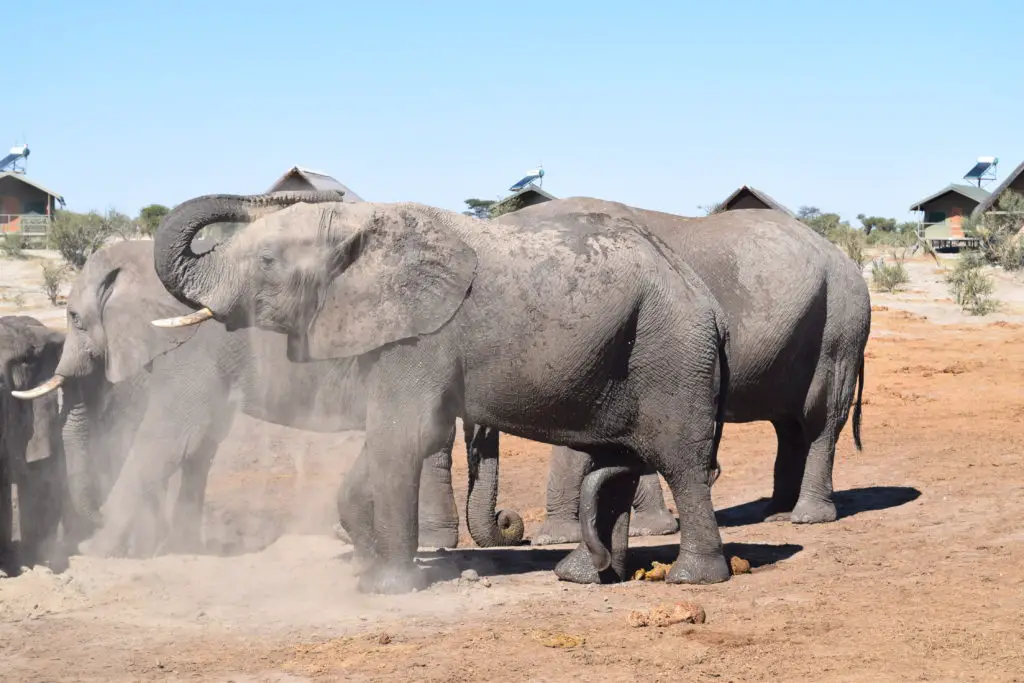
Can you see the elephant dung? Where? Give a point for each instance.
(559, 640)
(738, 565)
(662, 615)
(657, 572)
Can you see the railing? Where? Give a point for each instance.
(28, 224)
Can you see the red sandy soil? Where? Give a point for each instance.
(921, 578)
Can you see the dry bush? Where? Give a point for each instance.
(54, 275)
(889, 277)
(971, 288)
(12, 244)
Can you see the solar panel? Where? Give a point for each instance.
(979, 169)
(529, 178)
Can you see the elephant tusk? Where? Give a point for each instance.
(41, 390)
(185, 320)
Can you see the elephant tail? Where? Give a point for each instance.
(723, 394)
(857, 408)
(589, 503)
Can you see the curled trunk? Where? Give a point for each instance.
(179, 267)
(589, 506)
(488, 527)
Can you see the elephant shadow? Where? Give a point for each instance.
(848, 503)
(446, 565)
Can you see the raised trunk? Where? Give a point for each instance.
(487, 527)
(182, 271)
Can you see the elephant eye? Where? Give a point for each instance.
(75, 320)
(266, 260)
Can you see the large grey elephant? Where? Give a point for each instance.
(31, 456)
(144, 403)
(584, 330)
(799, 316)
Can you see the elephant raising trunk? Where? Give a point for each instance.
(173, 249)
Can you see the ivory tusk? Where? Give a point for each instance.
(185, 320)
(41, 390)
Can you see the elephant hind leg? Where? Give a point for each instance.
(829, 409)
(566, 472)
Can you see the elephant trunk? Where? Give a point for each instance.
(488, 528)
(185, 273)
(589, 504)
(76, 436)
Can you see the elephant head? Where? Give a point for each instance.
(109, 343)
(339, 279)
(29, 352)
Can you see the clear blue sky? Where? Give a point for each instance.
(853, 107)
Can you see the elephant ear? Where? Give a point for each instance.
(130, 297)
(400, 274)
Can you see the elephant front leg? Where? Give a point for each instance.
(406, 422)
(438, 513)
(355, 512)
(187, 518)
(650, 515)
(565, 478)
(6, 507)
(790, 459)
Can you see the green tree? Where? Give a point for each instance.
(870, 223)
(150, 217)
(820, 222)
(478, 208)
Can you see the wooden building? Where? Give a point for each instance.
(26, 206)
(747, 197)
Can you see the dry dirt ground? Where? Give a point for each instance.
(921, 578)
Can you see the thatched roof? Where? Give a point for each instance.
(748, 191)
(990, 202)
(316, 180)
(975, 194)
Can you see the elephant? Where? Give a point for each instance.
(799, 317)
(144, 403)
(31, 453)
(584, 330)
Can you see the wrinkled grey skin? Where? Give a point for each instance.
(144, 403)
(581, 331)
(799, 315)
(31, 456)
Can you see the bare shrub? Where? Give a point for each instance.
(889, 277)
(970, 286)
(54, 275)
(12, 244)
(852, 242)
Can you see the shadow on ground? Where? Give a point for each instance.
(449, 564)
(848, 503)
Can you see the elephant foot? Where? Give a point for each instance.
(658, 523)
(698, 569)
(578, 567)
(103, 544)
(435, 538)
(813, 512)
(778, 509)
(391, 578)
(555, 531)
